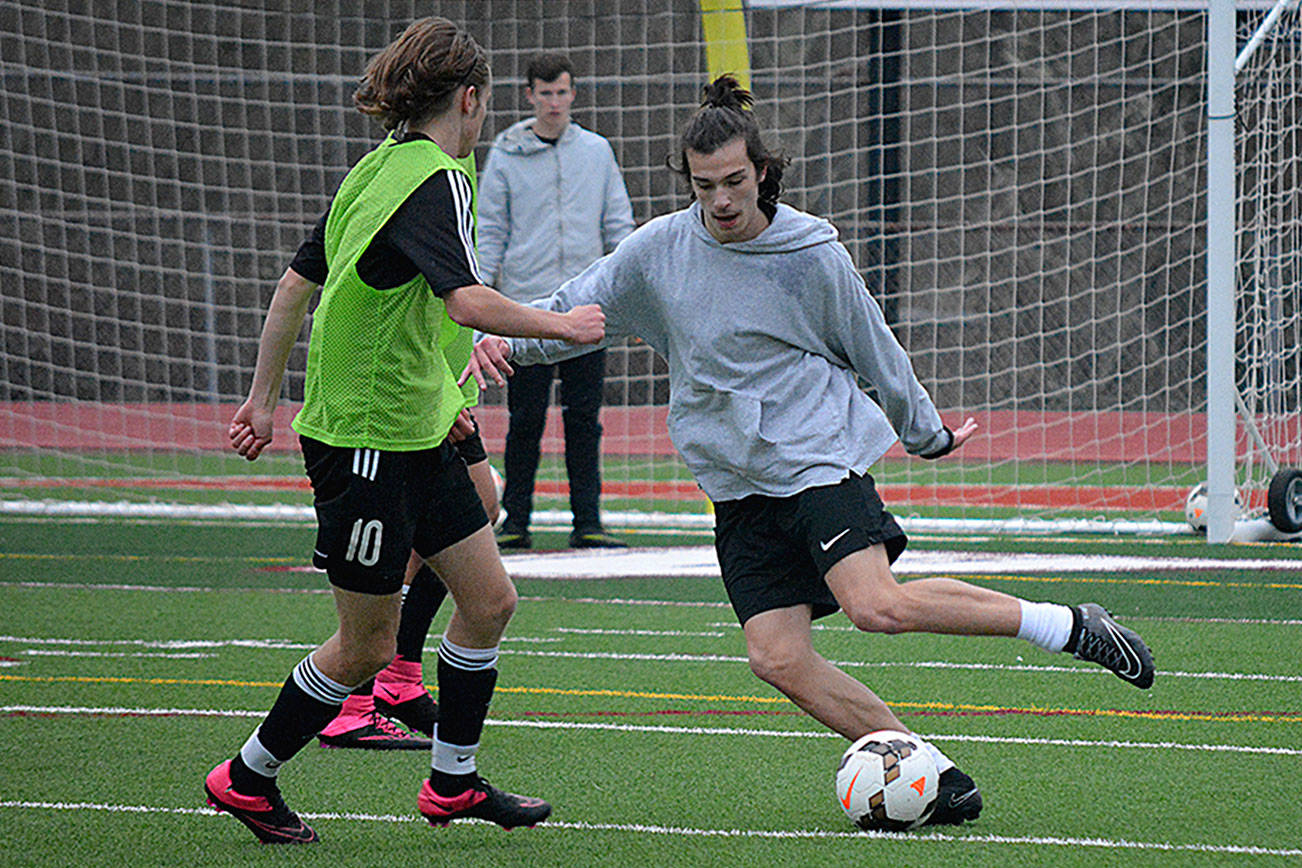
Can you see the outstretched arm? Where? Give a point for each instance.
(487, 310)
(251, 428)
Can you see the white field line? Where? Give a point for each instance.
(598, 601)
(152, 655)
(689, 832)
(682, 730)
(677, 633)
(278, 644)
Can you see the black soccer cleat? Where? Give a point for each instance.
(484, 801)
(514, 539)
(419, 714)
(957, 800)
(1100, 639)
(595, 539)
(266, 816)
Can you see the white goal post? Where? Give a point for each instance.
(1059, 205)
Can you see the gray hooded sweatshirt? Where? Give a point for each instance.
(764, 339)
(547, 211)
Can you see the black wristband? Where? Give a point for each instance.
(944, 450)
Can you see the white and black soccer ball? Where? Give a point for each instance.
(1195, 507)
(500, 484)
(887, 782)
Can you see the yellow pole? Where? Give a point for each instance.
(724, 25)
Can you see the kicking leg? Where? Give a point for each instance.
(875, 602)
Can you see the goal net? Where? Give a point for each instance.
(1021, 185)
(1268, 148)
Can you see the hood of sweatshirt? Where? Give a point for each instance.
(519, 138)
(789, 230)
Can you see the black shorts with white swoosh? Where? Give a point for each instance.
(775, 551)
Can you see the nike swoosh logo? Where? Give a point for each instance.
(955, 801)
(1133, 665)
(827, 545)
(386, 694)
(845, 800)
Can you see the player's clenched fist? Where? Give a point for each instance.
(587, 324)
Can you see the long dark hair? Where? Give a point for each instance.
(725, 115)
(417, 75)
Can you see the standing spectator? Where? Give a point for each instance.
(551, 202)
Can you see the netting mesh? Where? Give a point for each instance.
(1269, 252)
(1023, 190)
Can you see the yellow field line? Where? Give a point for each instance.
(694, 697)
(1191, 583)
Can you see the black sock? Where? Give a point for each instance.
(1074, 637)
(295, 719)
(450, 785)
(463, 702)
(418, 610)
(249, 782)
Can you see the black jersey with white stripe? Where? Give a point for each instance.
(431, 233)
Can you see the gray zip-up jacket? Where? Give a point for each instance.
(763, 340)
(547, 211)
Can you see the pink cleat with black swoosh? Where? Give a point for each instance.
(484, 801)
(265, 815)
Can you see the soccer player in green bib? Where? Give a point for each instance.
(389, 339)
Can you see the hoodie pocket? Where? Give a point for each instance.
(720, 430)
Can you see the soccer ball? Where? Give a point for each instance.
(1195, 507)
(500, 484)
(887, 782)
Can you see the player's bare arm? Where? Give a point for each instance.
(251, 428)
(487, 310)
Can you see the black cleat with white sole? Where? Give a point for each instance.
(1098, 638)
(957, 800)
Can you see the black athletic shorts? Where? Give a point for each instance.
(775, 551)
(374, 507)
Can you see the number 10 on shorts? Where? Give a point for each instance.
(364, 544)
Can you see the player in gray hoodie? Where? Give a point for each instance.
(766, 326)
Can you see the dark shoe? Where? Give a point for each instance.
(1101, 640)
(514, 539)
(266, 816)
(595, 539)
(373, 731)
(419, 714)
(957, 800)
(484, 801)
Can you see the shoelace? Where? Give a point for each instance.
(386, 726)
(1098, 649)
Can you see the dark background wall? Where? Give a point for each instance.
(1022, 190)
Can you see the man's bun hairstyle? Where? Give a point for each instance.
(725, 114)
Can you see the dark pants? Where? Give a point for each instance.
(527, 397)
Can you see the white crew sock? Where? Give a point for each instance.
(1045, 625)
(943, 763)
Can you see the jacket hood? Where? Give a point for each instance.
(519, 138)
(789, 230)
